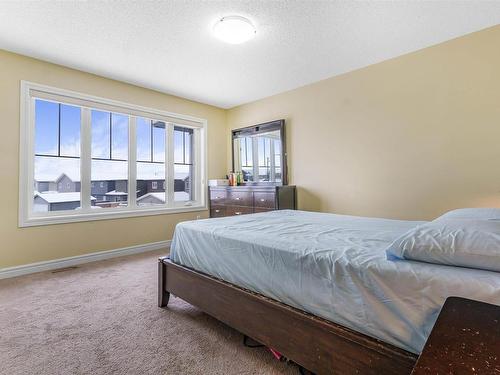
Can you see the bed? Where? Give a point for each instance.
(327, 270)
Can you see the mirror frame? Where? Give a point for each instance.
(264, 128)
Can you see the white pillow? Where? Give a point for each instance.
(456, 242)
(472, 213)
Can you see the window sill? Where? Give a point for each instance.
(111, 214)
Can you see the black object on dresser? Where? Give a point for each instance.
(249, 199)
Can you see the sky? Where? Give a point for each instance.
(46, 134)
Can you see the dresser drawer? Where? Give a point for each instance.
(218, 197)
(218, 211)
(264, 200)
(240, 198)
(238, 210)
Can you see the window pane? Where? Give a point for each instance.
(243, 150)
(143, 139)
(183, 169)
(109, 178)
(246, 156)
(249, 151)
(119, 136)
(56, 179)
(264, 174)
(159, 141)
(46, 127)
(277, 152)
(264, 162)
(188, 141)
(246, 152)
(109, 183)
(70, 130)
(183, 179)
(277, 174)
(247, 173)
(151, 176)
(57, 184)
(178, 146)
(100, 122)
(264, 151)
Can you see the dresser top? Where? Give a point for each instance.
(252, 187)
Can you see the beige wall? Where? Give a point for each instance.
(406, 138)
(28, 245)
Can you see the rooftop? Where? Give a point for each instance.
(56, 197)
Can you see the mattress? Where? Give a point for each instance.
(332, 266)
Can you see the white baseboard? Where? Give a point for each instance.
(86, 258)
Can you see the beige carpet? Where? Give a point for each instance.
(102, 318)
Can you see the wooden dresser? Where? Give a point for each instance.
(249, 199)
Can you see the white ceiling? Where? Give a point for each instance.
(168, 45)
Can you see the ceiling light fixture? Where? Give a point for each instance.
(234, 29)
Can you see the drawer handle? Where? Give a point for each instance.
(238, 198)
(217, 197)
(217, 211)
(237, 213)
(262, 200)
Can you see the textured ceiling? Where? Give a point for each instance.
(168, 45)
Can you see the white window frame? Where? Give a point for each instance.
(27, 217)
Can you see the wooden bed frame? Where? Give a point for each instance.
(316, 344)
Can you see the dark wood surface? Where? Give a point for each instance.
(316, 344)
(248, 199)
(464, 340)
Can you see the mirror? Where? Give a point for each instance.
(259, 153)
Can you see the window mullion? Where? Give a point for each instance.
(197, 182)
(151, 140)
(110, 136)
(255, 159)
(85, 160)
(29, 134)
(183, 147)
(132, 161)
(169, 164)
(273, 160)
(59, 131)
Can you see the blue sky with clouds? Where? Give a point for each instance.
(46, 134)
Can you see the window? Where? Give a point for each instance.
(183, 166)
(82, 155)
(109, 150)
(56, 156)
(151, 166)
(260, 156)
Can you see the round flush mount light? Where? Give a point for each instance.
(234, 29)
